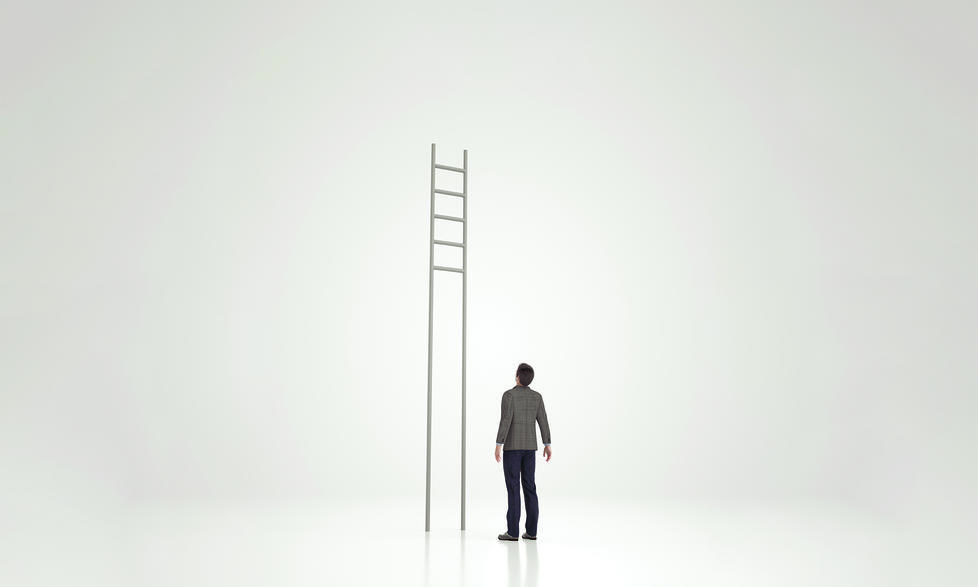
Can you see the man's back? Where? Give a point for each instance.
(521, 409)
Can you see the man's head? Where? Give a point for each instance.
(524, 374)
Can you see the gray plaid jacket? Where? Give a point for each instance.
(522, 407)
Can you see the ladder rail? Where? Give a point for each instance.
(465, 273)
(431, 291)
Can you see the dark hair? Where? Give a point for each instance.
(525, 373)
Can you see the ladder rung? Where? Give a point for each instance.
(449, 168)
(439, 268)
(450, 193)
(455, 218)
(454, 244)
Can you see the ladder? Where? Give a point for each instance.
(464, 170)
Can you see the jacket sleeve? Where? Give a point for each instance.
(505, 417)
(542, 421)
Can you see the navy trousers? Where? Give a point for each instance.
(520, 465)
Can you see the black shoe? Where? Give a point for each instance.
(528, 537)
(506, 536)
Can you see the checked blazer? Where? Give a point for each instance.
(521, 409)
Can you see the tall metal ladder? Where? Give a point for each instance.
(464, 170)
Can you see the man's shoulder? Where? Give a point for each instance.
(523, 389)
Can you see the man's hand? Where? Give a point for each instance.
(547, 453)
(498, 448)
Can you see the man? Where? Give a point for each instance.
(522, 407)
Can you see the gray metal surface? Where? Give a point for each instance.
(454, 244)
(464, 170)
(465, 267)
(455, 218)
(431, 291)
(450, 193)
(455, 269)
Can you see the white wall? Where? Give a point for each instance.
(737, 244)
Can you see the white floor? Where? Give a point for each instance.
(384, 543)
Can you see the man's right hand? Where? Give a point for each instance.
(547, 453)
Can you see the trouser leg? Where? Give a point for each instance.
(511, 471)
(528, 475)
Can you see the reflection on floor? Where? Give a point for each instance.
(581, 542)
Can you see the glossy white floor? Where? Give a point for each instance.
(384, 543)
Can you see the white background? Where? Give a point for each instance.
(736, 242)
